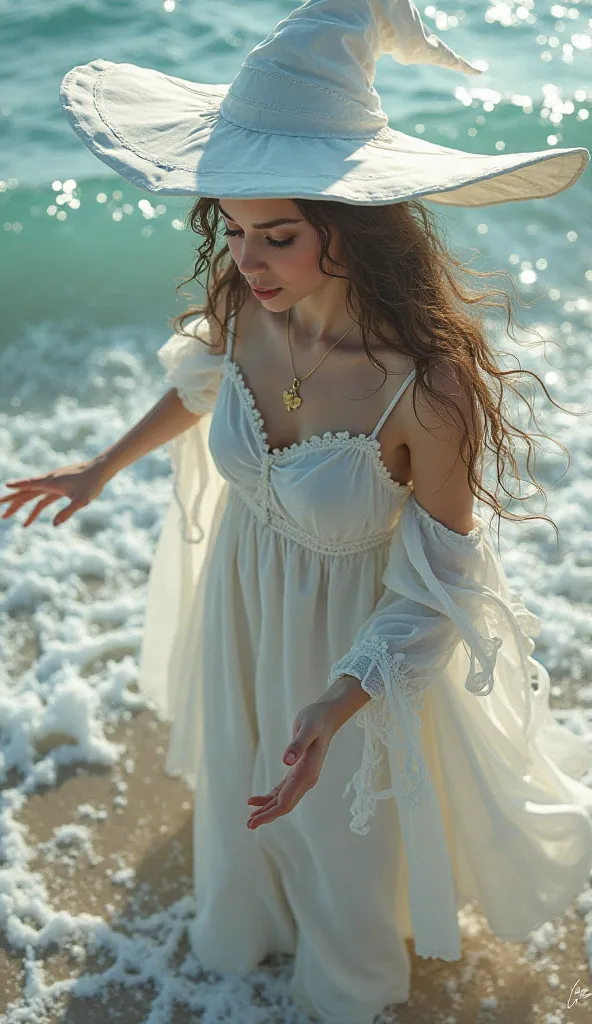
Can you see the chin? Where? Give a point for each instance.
(279, 304)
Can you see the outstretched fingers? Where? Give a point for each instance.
(16, 500)
(33, 483)
(283, 798)
(30, 489)
(40, 506)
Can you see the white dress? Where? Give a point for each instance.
(276, 572)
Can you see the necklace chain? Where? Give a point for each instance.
(292, 398)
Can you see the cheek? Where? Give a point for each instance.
(301, 265)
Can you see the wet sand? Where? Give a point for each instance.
(152, 833)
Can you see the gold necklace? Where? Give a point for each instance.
(292, 399)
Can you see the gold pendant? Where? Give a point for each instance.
(291, 398)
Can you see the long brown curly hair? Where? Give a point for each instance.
(400, 273)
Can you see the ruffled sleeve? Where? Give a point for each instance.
(442, 590)
(196, 374)
(177, 576)
(191, 368)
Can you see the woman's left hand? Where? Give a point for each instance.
(312, 733)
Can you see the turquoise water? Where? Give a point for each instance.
(69, 255)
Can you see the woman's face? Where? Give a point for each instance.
(272, 255)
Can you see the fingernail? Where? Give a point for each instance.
(290, 758)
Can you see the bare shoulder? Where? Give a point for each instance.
(441, 416)
(434, 434)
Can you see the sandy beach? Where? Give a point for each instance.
(130, 865)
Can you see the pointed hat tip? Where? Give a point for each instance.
(446, 59)
(404, 35)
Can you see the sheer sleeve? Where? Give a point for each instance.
(191, 368)
(442, 589)
(176, 589)
(197, 374)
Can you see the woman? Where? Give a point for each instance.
(339, 575)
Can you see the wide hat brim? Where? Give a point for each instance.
(167, 136)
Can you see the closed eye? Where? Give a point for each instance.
(271, 241)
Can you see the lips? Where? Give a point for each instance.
(265, 293)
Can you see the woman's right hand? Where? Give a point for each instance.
(81, 483)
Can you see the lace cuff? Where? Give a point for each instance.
(391, 722)
(362, 663)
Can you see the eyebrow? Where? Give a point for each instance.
(267, 223)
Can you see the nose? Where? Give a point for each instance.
(249, 262)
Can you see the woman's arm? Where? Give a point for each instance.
(82, 482)
(440, 485)
(168, 418)
(171, 415)
(193, 381)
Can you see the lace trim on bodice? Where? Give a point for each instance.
(340, 438)
(260, 507)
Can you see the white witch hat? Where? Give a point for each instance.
(301, 119)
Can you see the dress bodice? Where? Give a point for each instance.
(331, 492)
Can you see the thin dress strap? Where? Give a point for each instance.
(230, 335)
(383, 418)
